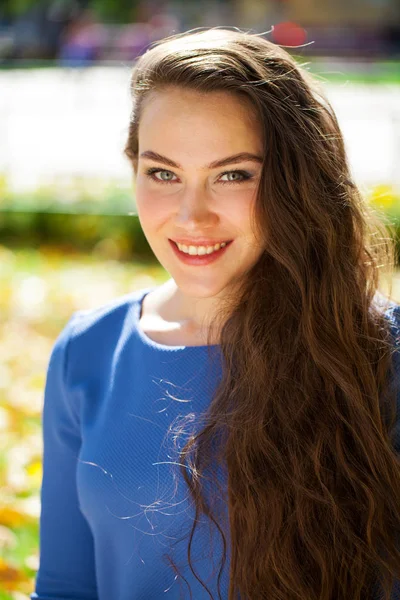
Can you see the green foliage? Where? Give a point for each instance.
(14, 8)
(357, 72)
(117, 236)
(75, 194)
(120, 11)
(108, 10)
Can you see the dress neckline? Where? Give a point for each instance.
(157, 345)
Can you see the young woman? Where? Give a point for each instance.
(231, 433)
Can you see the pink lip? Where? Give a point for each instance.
(202, 260)
(198, 241)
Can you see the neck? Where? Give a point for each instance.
(194, 314)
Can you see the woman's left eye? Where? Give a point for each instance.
(239, 176)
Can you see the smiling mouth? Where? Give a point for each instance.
(200, 250)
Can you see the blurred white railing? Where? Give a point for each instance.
(62, 123)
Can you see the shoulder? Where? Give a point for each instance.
(109, 315)
(89, 333)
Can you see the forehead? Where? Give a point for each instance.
(218, 117)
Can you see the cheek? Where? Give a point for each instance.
(152, 209)
(239, 209)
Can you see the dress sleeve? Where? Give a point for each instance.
(67, 561)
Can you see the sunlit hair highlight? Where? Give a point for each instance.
(304, 418)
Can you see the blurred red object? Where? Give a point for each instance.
(288, 34)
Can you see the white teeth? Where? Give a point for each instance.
(200, 250)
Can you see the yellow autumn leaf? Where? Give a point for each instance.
(11, 578)
(383, 196)
(34, 471)
(10, 517)
(37, 381)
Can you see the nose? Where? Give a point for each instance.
(194, 210)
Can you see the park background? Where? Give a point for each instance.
(69, 234)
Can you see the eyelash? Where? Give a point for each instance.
(246, 176)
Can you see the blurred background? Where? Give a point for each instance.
(69, 237)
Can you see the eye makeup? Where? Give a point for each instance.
(245, 176)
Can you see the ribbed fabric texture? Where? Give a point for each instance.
(117, 409)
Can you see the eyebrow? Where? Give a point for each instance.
(229, 160)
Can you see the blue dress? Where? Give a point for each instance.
(117, 409)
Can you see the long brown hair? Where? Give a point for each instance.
(303, 419)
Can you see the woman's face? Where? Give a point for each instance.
(183, 197)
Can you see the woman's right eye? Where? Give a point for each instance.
(162, 172)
